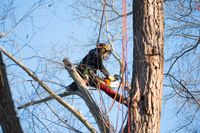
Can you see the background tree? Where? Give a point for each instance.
(8, 118)
(182, 62)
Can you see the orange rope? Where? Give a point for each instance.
(123, 68)
(110, 108)
(124, 46)
(124, 51)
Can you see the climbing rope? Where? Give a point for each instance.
(101, 21)
(124, 73)
(125, 55)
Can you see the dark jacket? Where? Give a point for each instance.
(93, 61)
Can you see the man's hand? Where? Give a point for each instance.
(111, 78)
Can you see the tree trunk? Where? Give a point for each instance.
(8, 117)
(147, 81)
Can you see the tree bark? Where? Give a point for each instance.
(101, 120)
(147, 81)
(8, 118)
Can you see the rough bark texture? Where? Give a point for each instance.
(8, 117)
(147, 82)
(101, 120)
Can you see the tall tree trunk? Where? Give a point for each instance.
(147, 82)
(8, 118)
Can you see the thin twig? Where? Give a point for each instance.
(186, 51)
(52, 93)
(46, 99)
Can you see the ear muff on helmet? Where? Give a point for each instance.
(104, 48)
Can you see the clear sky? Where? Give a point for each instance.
(53, 31)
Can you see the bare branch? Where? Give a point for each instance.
(185, 88)
(47, 99)
(184, 52)
(52, 93)
(101, 120)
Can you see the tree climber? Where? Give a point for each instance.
(92, 62)
(88, 67)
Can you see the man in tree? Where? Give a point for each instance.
(88, 67)
(92, 62)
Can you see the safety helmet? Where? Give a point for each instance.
(104, 47)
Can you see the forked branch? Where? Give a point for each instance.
(101, 120)
(52, 93)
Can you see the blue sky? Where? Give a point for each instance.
(55, 28)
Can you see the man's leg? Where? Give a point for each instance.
(112, 93)
(72, 87)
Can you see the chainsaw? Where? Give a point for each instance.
(112, 84)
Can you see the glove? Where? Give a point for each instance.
(111, 78)
(117, 77)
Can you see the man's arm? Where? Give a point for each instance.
(102, 68)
